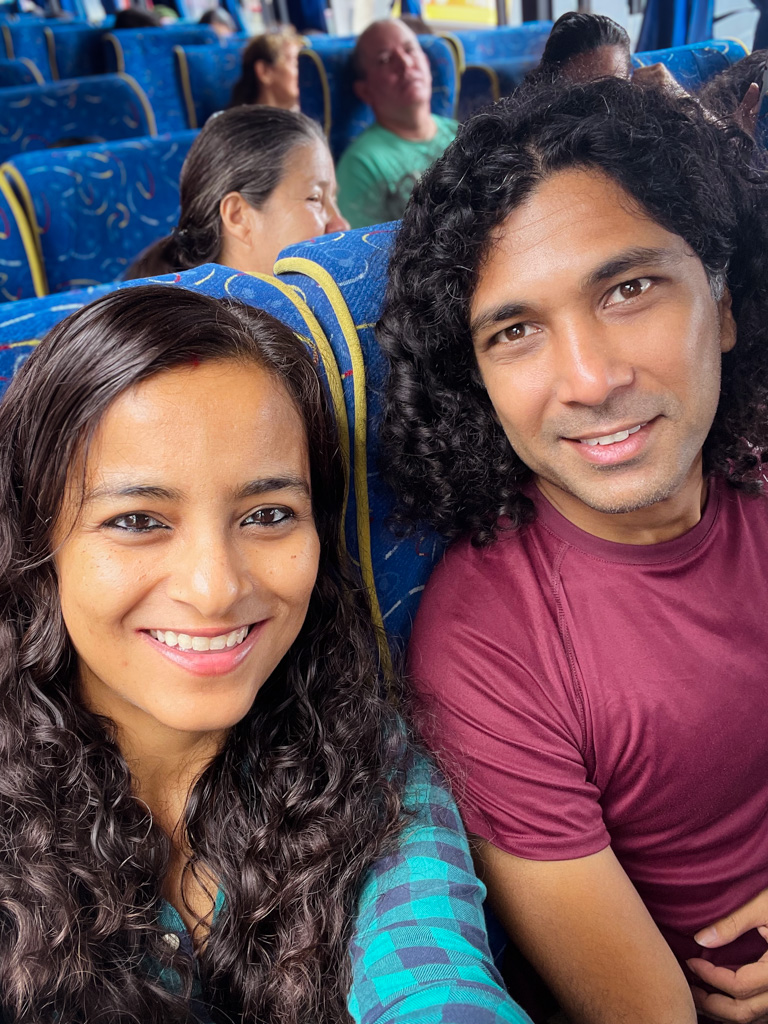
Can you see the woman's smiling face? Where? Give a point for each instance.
(187, 573)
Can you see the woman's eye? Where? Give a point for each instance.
(269, 516)
(315, 198)
(629, 290)
(135, 522)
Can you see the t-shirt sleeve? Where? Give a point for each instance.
(420, 951)
(362, 192)
(498, 706)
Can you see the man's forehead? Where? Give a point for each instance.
(384, 36)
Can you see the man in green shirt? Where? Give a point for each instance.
(377, 172)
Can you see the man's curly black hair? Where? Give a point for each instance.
(443, 452)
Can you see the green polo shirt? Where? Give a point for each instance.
(378, 170)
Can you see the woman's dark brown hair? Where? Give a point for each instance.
(267, 47)
(306, 792)
(242, 150)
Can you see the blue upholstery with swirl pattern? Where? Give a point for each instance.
(694, 64)
(27, 39)
(77, 50)
(147, 55)
(514, 41)
(98, 108)
(211, 72)
(325, 75)
(95, 208)
(18, 72)
(343, 277)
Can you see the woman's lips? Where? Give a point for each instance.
(207, 662)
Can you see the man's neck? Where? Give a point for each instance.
(416, 124)
(664, 520)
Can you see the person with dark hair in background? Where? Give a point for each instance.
(735, 93)
(582, 47)
(576, 323)
(255, 180)
(585, 47)
(220, 21)
(378, 169)
(136, 17)
(209, 807)
(270, 71)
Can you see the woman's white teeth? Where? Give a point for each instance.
(185, 642)
(621, 435)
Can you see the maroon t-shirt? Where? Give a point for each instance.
(588, 693)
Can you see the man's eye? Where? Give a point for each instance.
(517, 332)
(135, 522)
(269, 516)
(629, 290)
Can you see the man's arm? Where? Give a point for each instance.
(583, 926)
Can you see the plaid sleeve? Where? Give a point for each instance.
(420, 950)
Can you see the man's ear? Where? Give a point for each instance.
(727, 323)
(238, 218)
(361, 90)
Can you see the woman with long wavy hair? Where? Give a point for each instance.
(209, 809)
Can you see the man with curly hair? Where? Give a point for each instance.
(576, 323)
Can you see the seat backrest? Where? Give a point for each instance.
(95, 109)
(19, 72)
(27, 39)
(481, 46)
(693, 65)
(325, 86)
(93, 209)
(343, 278)
(75, 51)
(18, 250)
(207, 75)
(147, 55)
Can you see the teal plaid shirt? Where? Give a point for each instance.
(420, 950)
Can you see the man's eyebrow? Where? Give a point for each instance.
(252, 489)
(628, 261)
(497, 315)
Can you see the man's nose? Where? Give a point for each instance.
(590, 365)
(210, 575)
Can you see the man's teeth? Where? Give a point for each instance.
(185, 642)
(620, 435)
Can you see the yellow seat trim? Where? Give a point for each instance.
(312, 270)
(314, 56)
(143, 100)
(50, 42)
(8, 40)
(494, 78)
(186, 85)
(39, 80)
(458, 49)
(27, 228)
(118, 49)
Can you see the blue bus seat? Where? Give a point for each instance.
(207, 75)
(93, 209)
(19, 72)
(18, 251)
(147, 55)
(515, 41)
(75, 50)
(343, 277)
(96, 109)
(694, 64)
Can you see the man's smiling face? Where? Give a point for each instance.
(599, 341)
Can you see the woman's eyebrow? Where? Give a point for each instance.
(253, 488)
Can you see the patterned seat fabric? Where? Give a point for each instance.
(95, 208)
(27, 39)
(18, 72)
(325, 85)
(482, 47)
(75, 50)
(95, 109)
(343, 277)
(16, 245)
(147, 55)
(693, 65)
(207, 75)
